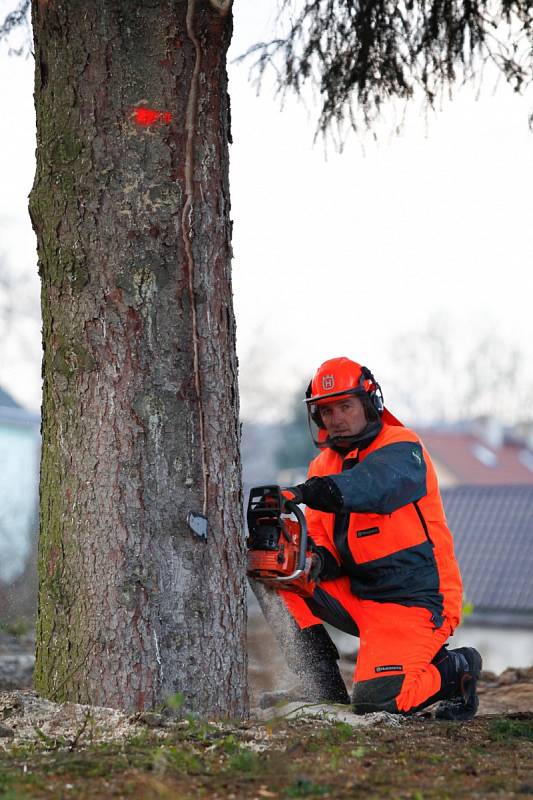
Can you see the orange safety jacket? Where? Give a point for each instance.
(390, 536)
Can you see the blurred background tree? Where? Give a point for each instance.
(447, 373)
(296, 449)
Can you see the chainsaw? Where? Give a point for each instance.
(278, 547)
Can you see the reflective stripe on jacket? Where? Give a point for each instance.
(391, 537)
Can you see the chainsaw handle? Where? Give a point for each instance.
(293, 508)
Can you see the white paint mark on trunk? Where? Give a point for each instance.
(158, 656)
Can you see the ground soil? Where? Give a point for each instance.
(69, 751)
(72, 754)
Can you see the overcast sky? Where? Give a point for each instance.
(335, 254)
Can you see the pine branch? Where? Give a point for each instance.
(362, 54)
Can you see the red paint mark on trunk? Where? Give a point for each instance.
(149, 116)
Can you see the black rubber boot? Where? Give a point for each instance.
(313, 657)
(463, 704)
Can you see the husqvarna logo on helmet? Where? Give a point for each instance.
(328, 382)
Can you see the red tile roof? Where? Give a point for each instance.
(474, 462)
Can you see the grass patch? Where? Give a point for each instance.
(338, 734)
(174, 760)
(12, 784)
(500, 730)
(306, 788)
(244, 761)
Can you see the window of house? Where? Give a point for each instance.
(526, 457)
(483, 454)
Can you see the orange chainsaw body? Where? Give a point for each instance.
(277, 553)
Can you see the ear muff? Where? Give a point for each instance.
(375, 395)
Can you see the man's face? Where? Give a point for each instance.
(343, 417)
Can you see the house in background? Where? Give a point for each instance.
(19, 469)
(481, 452)
(486, 476)
(493, 534)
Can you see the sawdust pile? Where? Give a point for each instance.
(27, 717)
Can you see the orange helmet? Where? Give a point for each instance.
(341, 377)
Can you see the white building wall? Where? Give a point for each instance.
(499, 647)
(19, 468)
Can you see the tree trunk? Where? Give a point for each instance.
(140, 408)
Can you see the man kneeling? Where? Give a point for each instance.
(383, 557)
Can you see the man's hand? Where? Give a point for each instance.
(319, 493)
(317, 565)
(324, 565)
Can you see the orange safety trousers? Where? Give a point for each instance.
(395, 640)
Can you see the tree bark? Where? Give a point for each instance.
(140, 406)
